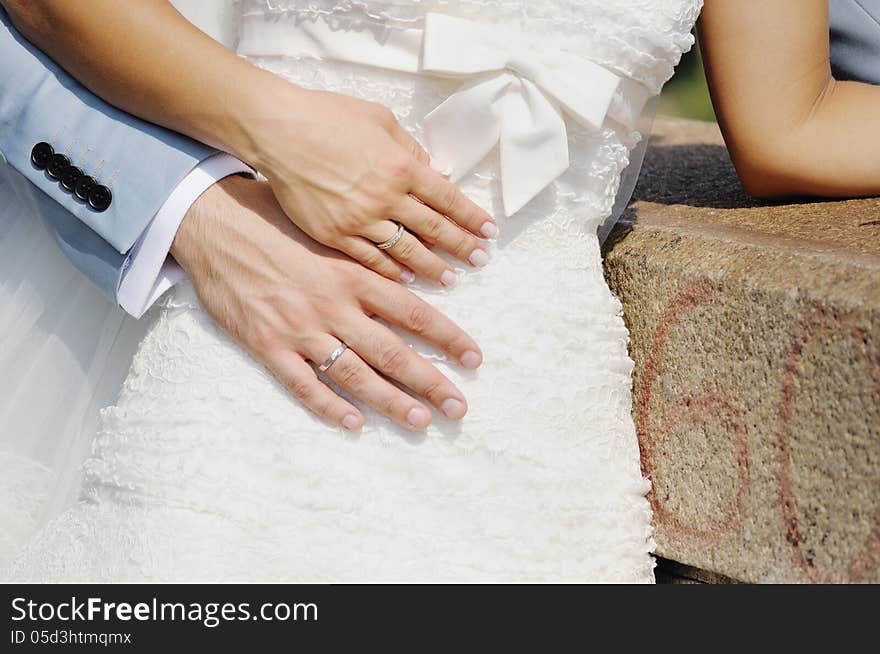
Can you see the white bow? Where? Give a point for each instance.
(514, 102)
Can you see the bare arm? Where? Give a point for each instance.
(791, 128)
(342, 169)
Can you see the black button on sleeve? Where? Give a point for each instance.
(41, 154)
(71, 177)
(83, 187)
(100, 198)
(57, 165)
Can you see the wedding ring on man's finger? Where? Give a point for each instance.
(338, 352)
(394, 240)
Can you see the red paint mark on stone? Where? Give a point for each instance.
(868, 559)
(693, 410)
(701, 410)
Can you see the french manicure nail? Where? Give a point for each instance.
(471, 360)
(448, 278)
(418, 418)
(479, 258)
(407, 277)
(489, 230)
(453, 409)
(350, 422)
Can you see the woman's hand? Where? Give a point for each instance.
(288, 301)
(346, 173)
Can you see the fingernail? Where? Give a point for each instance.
(471, 360)
(479, 258)
(418, 418)
(351, 422)
(448, 278)
(489, 230)
(453, 409)
(407, 277)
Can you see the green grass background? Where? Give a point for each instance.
(686, 94)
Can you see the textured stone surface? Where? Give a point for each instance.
(756, 336)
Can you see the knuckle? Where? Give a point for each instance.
(434, 227)
(406, 249)
(372, 259)
(350, 376)
(464, 246)
(419, 152)
(264, 337)
(398, 166)
(433, 391)
(470, 214)
(419, 319)
(456, 343)
(392, 360)
(300, 389)
(324, 407)
(325, 307)
(448, 199)
(382, 202)
(347, 272)
(325, 234)
(388, 405)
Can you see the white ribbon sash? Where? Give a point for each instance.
(514, 94)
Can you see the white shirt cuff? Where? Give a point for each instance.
(150, 270)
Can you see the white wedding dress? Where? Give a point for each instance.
(205, 470)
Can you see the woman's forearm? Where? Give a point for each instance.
(145, 58)
(837, 148)
(790, 127)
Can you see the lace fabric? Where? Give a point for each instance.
(642, 39)
(64, 353)
(206, 470)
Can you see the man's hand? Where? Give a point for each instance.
(288, 301)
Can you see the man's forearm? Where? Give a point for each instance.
(147, 59)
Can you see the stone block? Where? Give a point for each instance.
(755, 331)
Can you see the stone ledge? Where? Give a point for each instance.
(756, 337)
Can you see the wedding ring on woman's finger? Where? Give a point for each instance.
(338, 352)
(394, 240)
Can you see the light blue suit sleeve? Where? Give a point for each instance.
(140, 163)
(855, 40)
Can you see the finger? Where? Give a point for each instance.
(399, 134)
(442, 232)
(303, 384)
(351, 373)
(387, 353)
(368, 255)
(412, 253)
(400, 307)
(446, 198)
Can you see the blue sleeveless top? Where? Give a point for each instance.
(855, 40)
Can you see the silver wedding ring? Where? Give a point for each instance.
(338, 352)
(394, 240)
